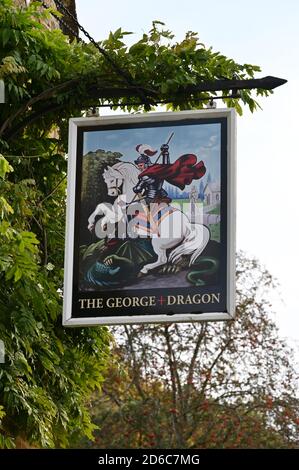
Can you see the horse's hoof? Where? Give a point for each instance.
(141, 273)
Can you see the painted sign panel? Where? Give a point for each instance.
(150, 218)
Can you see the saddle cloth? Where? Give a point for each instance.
(149, 219)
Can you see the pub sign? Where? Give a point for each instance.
(150, 233)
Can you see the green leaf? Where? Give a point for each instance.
(5, 167)
(6, 34)
(17, 274)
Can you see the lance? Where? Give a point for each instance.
(134, 199)
(169, 139)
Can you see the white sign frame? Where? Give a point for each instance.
(77, 123)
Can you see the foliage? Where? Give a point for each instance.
(47, 78)
(209, 385)
(49, 371)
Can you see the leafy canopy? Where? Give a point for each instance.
(49, 372)
(48, 79)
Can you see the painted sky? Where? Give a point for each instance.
(201, 139)
(264, 33)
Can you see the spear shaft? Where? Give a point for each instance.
(169, 139)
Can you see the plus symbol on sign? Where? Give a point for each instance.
(161, 300)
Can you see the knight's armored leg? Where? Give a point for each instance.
(148, 200)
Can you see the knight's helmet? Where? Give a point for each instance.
(145, 152)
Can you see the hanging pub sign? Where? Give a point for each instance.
(150, 218)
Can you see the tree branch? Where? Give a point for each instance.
(135, 368)
(213, 365)
(174, 383)
(41, 97)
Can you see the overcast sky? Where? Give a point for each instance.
(258, 32)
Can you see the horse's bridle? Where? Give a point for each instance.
(116, 187)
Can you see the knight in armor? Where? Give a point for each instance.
(180, 173)
(150, 186)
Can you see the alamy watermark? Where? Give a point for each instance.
(2, 352)
(140, 219)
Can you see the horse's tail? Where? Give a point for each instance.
(195, 241)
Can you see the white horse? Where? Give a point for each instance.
(121, 175)
(120, 180)
(174, 232)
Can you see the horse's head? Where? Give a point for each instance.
(121, 179)
(113, 180)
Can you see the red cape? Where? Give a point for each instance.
(180, 173)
